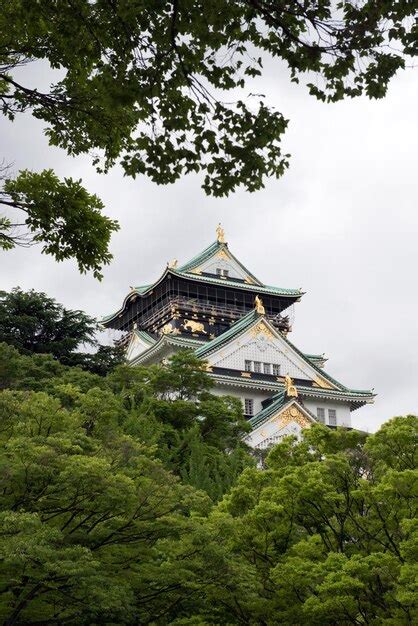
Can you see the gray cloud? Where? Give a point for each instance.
(342, 224)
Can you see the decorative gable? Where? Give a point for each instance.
(290, 419)
(137, 346)
(224, 261)
(262, 344)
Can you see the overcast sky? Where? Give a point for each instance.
(342, 224)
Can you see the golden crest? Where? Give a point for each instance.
(222, 254)
(294, 414)
(167, 329)
(261, 328)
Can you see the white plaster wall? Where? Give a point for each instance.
(343, 410)
(265, 350)
(257, 396)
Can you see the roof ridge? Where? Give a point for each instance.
(208, 252)
(320, 371)
(143, 334)
(199, 258)
(270, 290)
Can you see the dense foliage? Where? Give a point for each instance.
(130, 499)
(144, 84)
(33, 322)
(61, 215)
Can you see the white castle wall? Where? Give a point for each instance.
(257, 396)
(342, 409)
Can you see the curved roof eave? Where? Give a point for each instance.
(143, 290)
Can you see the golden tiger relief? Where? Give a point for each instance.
(194, 327)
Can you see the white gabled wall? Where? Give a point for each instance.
(263, 349)
(210, 266)
(270, 434)
(136, 347)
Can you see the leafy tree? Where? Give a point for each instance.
(198, 434)
(324, 535)
(144, 85)
(94, 528)
(83, 511)
(33, 322)
(89, 517)
(61, 215)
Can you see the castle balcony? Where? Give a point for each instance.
(199, 308)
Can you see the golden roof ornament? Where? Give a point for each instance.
(172, 264)
(291, 390)
(259, 307)
(220, 234)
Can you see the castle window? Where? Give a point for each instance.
(332, 417)
(320, 415)
(267, 368)
(222, 273)
(249, 406)
(257, 367)
(276, 369)
(248, 366)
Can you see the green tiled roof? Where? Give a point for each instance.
(185, 341)
(280, 399)
(267, 289)
(351, 395)
(201, 257)
(316, 358)
(143, 288)
(239, 326)
(209, 252)
(244, 323)
(185, 271)
(279, 402)
(142, 334)
(320, 371)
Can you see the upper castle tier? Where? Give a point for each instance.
(202, 297)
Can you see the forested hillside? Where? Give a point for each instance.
(131, 499)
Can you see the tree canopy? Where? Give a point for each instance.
(61, 215)
(35, 323)
(146, 85)
(131, 499)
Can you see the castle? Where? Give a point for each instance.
(214, 306)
